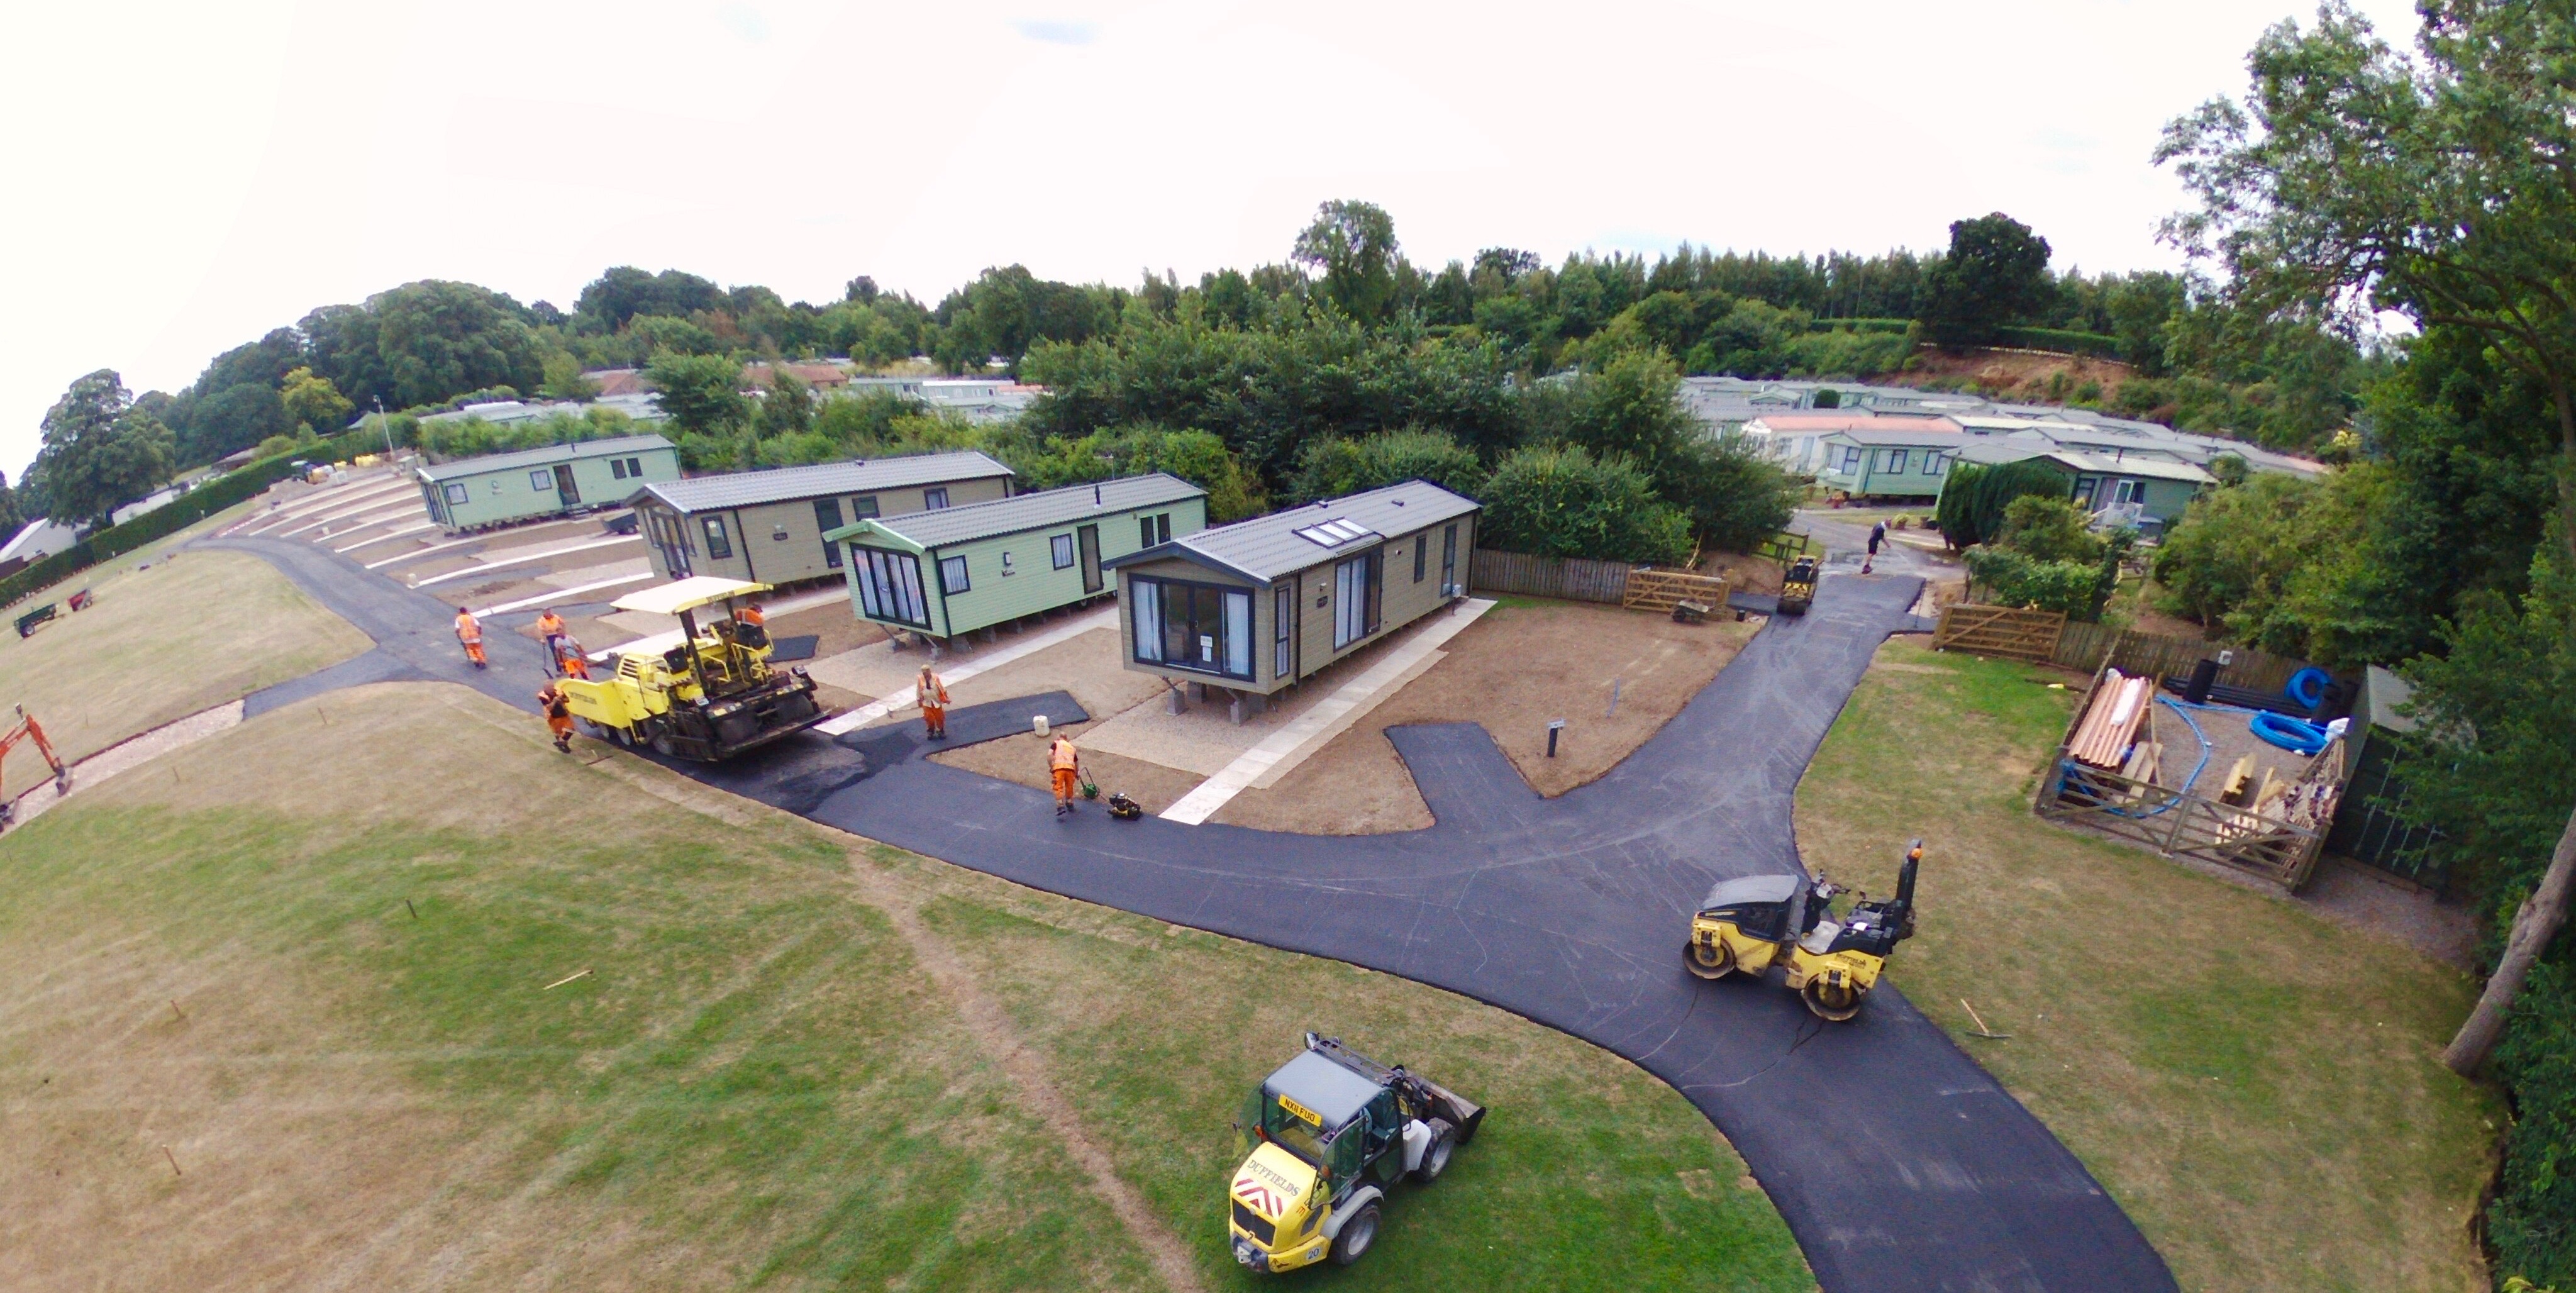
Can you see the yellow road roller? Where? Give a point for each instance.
(1747, 925)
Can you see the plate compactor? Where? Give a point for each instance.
(1754, 923)
(711, 696)
(1329, 1132)
(1798, 587)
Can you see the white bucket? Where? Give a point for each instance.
(1040, 725)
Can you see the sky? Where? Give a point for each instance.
(189, 176)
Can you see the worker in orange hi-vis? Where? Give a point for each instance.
(574, 661)
(550, 630)
(932, 695)
(469, 631)
(753, 615)
(558, 709)
(1065, 762)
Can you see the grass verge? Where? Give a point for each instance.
(2260, 1088)
(195, 630)
(756, 1083)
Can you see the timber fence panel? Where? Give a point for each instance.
(1999, 631)
(1658, 590)
(1571, 578)
(2090, 646)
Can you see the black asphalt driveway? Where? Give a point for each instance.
(1898, 1163)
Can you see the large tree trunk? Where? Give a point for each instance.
(2545, 911)
(2533, 926)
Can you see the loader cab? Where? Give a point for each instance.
(1325, 1114)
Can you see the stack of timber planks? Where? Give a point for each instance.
(2111, 720)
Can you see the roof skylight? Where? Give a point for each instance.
(1336, 532)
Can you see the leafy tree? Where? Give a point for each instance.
(563, 379)
(99, 454)
(1198, 457)
(787, 407)
(702, 393)
(1333, 467)
(2050, 529)
(1352, 244)
(662, 333)
(1975, 495)
(1565, 502)
(2352, 173)
(1995, 274)
(314, 401)
(11, 518)
(439, 339)
(625, 292)
(232, 420)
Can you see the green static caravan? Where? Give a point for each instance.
(1255, 606)
(768, 526)
(557, 480)
(1902, 465)
(948, 573)
(2143, 491)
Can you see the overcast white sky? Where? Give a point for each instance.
(187, 176)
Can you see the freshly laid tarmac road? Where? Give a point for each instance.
(1898, 1163)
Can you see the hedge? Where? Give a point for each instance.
(2077, 343)
(1898, 326)
(169, 518)
(1973, 498)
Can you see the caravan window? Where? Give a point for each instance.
(890, 585)
(1204, 628)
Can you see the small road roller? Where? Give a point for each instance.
(1756, 922)
(1798, 587)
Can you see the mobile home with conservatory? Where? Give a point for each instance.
(1255, 606)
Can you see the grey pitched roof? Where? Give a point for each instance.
(545, 457)
(787, 484)
(1041, 510)
(1267, 547)
(1899, 436)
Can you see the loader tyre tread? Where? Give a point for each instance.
(1435, 1158)
(1357, 1235)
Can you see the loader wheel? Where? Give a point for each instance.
(1837, 1002)
(1709, 960)
(1435, 1160)
(1357, 1234)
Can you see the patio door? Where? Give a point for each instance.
(565, 489)
(1088, 537)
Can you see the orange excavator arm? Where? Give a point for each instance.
(28, 729)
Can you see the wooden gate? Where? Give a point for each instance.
(1657, 590)
(2000, 631)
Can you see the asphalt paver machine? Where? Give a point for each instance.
(711, 695)
(1752, 923)
(1329, 1132)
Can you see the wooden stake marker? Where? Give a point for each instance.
(174, 1161)
(577, 974)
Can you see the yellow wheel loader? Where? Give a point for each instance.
(1752, 924)
(709, 696)
(1329, 1132)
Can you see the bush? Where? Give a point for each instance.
(1198, 457)
(1975, 497)
(1563, 502)
(2061, 340)
(2050, 529)
(2011, 578)
(2532, 1222)
(1337, 466)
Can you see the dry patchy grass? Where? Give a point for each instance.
(195, 630)
(762, 1081)
(2258, 1087)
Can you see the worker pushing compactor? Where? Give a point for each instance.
(1064, 768)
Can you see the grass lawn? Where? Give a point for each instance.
(161, 644)
(2259, 1088)
(774, 1073)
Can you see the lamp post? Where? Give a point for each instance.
(383, 428)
